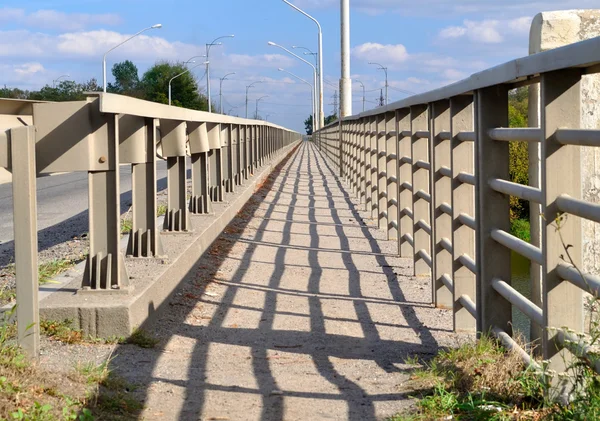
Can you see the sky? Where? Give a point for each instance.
(424, 44)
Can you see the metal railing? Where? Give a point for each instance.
(96, 136)
(434, 170)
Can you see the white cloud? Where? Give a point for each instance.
(53, 19)
(485, 32)
(372, 51)
(27, 69)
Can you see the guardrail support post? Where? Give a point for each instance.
(363, 155)
(420, 182)
(22, 153)
(392, 175)
(381, 159)
(199, 148)
(463, 201)
(442, 194)
(138, 147)
(561, 167)
(493, 259)
(373, 175)
(405, 200)
(215, 163)
(174, 136)
(226, 150)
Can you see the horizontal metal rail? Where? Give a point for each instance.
(405, 133)
(519, 301)
(446, 208)
(425, 256)
(467, 220)
(406, 186)
(587, 282)
(409, 239)
(424, 226)
(527, 134)
(408, 212)
(466, 178)
(445, 136)
(445, 171)
(424, 165)
(421, 134)
(580, 137)
(511, 345)
(517, 245)
(468, 305)
(447, 281)
(531, 194)
(466, 136)
(424, 195)
(406, 160)
(446, 244)
(579, 207)
(468, 262)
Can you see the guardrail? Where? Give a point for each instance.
(434, 170)
(96, 136)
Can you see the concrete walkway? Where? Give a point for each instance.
(300, 311)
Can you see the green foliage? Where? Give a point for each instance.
(518, 106)
(184, 90)
(127, 80)
(308, 124)
(521, 229)
(330, 119)
(142, 339)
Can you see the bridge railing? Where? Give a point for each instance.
(433, 170)
(98, 135)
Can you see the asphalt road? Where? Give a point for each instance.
(63, 196)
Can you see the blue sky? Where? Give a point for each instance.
(425, 43)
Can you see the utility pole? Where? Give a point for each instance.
(345, 81)
(335, 103)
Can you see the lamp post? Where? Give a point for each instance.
(257, 101)
(221, 90)
(308, 52)
(247, 88)
(385, 69)
(317, 126)
(214, 42)
(345, 81)
(364, 98)
(57, 79)
(157, 26)
(181, 74)
(312, 94)
(269, 115)
(320, 52)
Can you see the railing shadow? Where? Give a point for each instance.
(318, 344)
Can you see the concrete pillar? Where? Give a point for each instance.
(550, 30)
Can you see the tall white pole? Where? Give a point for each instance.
(345, 81)
(312, 94)
(214, 42)
(320, 87)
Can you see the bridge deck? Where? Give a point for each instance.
(310, 315)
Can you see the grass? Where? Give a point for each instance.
(48, 270)
(142, 339)
(477, 381)
(127, 222)
(521, 229)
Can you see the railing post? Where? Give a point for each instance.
(363, 165)
(561, 238)
(22, 153)
(420, 184)
(405, 200)
(373, 175)
(493, 259)
(199, 148)
(226, 150)
(463, 202)
(392, 174)
(138, 138)
(382, 196)
(174, 136)
(354, 157)
(441, 197)
(236, 148)
(215, 163)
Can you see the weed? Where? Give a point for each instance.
(126, 226)
(161, 210)
(47, 271)
(521, 229)
(61, 331)
(142, 339)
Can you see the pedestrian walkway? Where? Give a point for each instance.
(300, 311)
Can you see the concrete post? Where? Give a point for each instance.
(228, 176)
(463, 202)
(551, 30)
(22, 153)
(392, 174)
(441, 199)
(405, 206)
(373, 175)
(493, 259)
(419, 121)
(382, 199)
(215, 160)
(362, 187)
(563, 301)
(199, 147)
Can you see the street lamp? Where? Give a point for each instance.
(312, 94)
(257, 101)
(208, 66)
(248, 87)
(157, 26)
(310, 64)
(181, 74)
(221, 91)
(57, 79)
(385, 69)
(364, 99)
(269, 115)
(320, 87)
(308, 52)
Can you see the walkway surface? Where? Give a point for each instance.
(300, 311)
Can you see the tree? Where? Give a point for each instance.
(185, 92)
(330, 119)
(518, 167)
(308, 124)
(126, 79)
